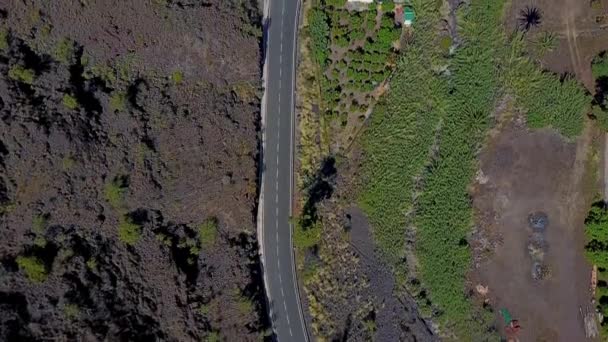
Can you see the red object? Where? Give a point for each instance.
(513, 328)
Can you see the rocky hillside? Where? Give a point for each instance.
(128, 175)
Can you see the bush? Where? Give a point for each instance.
(118, 101)
(3, 39)
(128, 232)
(177, 77)
(207, 232)
(70, 101)
(21, 74)
(34, 268)
(64, 51)
(599, 66)
(115, 190)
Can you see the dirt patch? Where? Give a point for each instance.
(580, 29)
(530, 211)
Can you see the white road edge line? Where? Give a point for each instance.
(291, 146)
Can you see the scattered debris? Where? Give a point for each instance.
(538, 221)
(482, 290)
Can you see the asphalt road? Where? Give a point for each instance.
(277, 251)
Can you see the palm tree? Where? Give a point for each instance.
(529, 17)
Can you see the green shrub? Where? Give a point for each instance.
(128, 232)
(70, 101)
(213, 336)
(3, 39)
(207, 232)
(177, 77)
(21, 74)
(71, 311)
(34, 268)
(64, 51)
(39, 224)
(319, 35)
(599, 66)
(306, 238)
(118, 101)
(244, 305)
(114, 192)
(445, 43)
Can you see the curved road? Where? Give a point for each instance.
(277, 175)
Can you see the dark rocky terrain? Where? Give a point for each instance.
(128, 175)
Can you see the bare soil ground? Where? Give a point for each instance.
(165, 100)
(580, 36)
(524, 172)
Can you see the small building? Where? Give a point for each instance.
(361, 1)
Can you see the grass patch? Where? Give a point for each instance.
(207, 232)
(21, 74)
(69, 101)
(34, 268)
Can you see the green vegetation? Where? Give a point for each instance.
(354, 52)
(546, 42)
(207, 232)
(118, 101)
(70, 101)
(67, 163)
(596, 251)
(64, 51)
(319, 32)
(21, 74)
(71, 311)
(308, 237)
(213, 336)
(92, 264)
(548, 101)
(599, 66)
(177, 77)
(3, 39)
(128, 232)
(34, 268)
(244, 305)
(421, 143)
(39, 224)
(114, 192)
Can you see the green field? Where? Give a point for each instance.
(420, 147)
